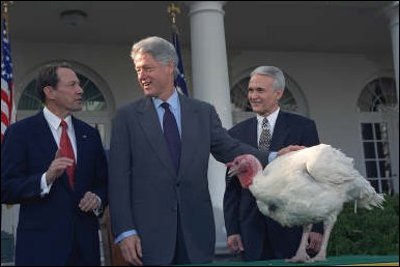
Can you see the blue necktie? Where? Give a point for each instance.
(171, 135)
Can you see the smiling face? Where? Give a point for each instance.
(154, 77)
(263, 97)
(66, 96)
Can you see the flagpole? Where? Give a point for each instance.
(10, 214)
(179, 82)
(173, 10)
(4, 10)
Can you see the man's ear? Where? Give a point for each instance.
(279, 93)
(171, 65)
(49, 92)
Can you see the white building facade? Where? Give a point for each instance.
(352, 95)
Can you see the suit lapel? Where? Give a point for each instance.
(78, 136)
(81, 147)
(251, 133)
(280, 132)
(151, 126)
(190, 130)
(42, 135)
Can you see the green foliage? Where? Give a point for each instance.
(372, 232)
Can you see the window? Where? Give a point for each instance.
(97, 104)
(240, 101)
(377, 156)
(376, 102)
(93, 98)
(379, 95)
(292, 100)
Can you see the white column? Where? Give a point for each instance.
(211, 84)
(392, 12)
(9, 222)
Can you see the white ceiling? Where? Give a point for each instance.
(322, 26)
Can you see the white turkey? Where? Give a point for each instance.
(305, 187)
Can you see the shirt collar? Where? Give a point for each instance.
(271, 118)
(173, 100)
(53, 120)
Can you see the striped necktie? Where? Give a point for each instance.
(265, 137)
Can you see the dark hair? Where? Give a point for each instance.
(48, 77)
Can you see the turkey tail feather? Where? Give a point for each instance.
(369, 197)
(375, 200)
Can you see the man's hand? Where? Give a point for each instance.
(89, 202)
(57, 167)
(132, 250)
(235, 244)
(289, 149)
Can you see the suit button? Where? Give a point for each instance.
(177, 184)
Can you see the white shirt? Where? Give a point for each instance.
(174, 106)
(56, 129)
(54, 125)
(272, 121)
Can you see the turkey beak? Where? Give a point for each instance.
(232, 172)
(232, 169)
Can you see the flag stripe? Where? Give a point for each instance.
(4, 118)
(6, 79)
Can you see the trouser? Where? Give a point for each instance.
(181, 255)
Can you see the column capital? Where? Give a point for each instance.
(201, 6)
(392, 12)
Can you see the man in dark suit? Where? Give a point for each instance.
(248, 230)
(160, 205)
(59, 195)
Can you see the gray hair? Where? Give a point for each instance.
(160, 49)
(273, 72)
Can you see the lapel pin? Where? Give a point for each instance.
(84, 136)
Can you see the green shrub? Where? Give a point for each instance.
(372, 232)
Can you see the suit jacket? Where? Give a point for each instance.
(50, 226)
(240, 209)
(146, 194)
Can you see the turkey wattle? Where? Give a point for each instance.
(305, 187)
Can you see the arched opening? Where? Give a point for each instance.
(97, 107)
(379, 122)
(291, 101)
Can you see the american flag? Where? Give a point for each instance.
(6, 80)
(180, 82)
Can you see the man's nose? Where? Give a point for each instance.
(80, 89)
(141, 75)
(252, 95)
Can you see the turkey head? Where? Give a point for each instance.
(245, 167)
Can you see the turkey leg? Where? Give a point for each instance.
(301, 254)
